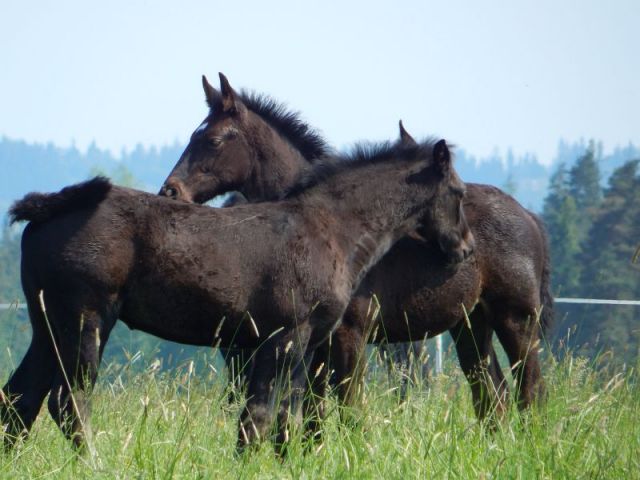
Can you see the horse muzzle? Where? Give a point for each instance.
(175, 190)
(468, 245)
(463, 250)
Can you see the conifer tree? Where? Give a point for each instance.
(584, 187)
(510, 185)
(560, 215)
(609, 270)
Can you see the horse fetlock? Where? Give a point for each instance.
(254, 424)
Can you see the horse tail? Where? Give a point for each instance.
(40, 207)
(546, 298)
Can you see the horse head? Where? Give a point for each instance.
(218, 157)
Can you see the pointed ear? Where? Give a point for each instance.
(210, 93)
(405, 138)
(229, 96)
(442, 157)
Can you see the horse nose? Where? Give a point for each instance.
(468, 245)
(170, 189)
(167, 191)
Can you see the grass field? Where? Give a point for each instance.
(179, 425)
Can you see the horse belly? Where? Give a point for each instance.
(173, 317)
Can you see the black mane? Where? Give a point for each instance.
(362, 154)
(288, 123)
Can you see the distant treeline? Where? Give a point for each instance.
(45, 167)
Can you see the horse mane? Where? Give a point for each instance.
(40, 207)
(363, 154)
(287, 123)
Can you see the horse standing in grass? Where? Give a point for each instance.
(275, 277)
(255, 146)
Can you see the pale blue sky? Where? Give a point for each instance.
(481, 74)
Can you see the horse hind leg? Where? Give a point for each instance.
(479, 362)
(519, 335)
(22, 396)
(80, 350)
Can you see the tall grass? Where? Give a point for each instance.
(179, 425)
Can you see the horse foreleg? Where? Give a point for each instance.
(270, 384)
(239, 362)
(313, 409)
(480, 366)
(293, 395)
(349, 363)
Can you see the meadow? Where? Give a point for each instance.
(150, 423)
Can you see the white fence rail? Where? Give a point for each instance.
(17, 306)
(592, 301)
(597, 301)
(438, 357)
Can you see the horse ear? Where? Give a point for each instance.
(442, 156)
(405, 138)
(229, 96)
(211, 94)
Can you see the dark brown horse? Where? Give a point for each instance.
(275, 277)
(248, 141)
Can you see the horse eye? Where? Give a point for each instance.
(204, 169)
(214, 142)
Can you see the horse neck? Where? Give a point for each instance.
(276, 166)
(370, 218)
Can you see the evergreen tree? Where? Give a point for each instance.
(10, 289)
(584, 187)
(15, 330)
(609, 270)
(510, 185)
(611, 245)
(560, 215)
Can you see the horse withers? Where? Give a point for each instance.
(275, 277)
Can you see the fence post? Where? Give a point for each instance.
(438, 354)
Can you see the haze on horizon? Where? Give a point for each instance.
(483, 76)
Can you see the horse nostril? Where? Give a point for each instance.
(168, 191)
(468, 252)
